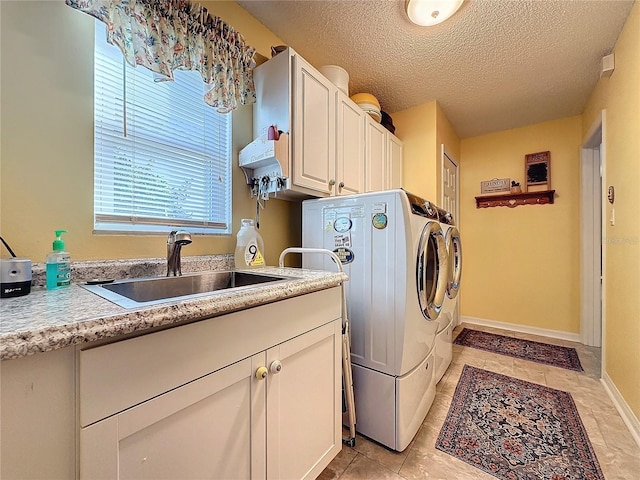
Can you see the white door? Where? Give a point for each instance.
(451, 202)
(450, 196)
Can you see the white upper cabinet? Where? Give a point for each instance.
(376, 155)
(394, 160)
(314, 127)
(383, 153)
(297, 99)
(336, 148)
(350, 159)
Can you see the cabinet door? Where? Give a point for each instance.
(273, 82)
(304, 404)
(314, 129)
(376, 156)
(349, 146)
(212, 427)
(394, 161)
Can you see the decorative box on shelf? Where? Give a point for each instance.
(514, 199)
(495, 185)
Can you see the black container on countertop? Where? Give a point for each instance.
(15, 277)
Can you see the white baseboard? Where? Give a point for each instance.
(572, 337)
(630, 420)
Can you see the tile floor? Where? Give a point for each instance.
(617, 452)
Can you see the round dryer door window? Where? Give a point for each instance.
(432, 271)
(454, 253)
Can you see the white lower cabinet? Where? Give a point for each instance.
(302, 401)
(199, 428)
(274, 414)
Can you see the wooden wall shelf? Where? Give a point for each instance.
(514, 199)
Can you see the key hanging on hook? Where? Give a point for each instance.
(254, 187)
(259, 206)
(258, 212)
(265, 182)
(263, 194)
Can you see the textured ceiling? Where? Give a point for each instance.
(496, 64)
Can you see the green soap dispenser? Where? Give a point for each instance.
(58, 265)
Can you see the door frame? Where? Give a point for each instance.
(456, 215)
(592, 226)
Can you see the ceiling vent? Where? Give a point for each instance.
(608, 65)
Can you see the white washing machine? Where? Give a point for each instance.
(444, 337)
(392, 247)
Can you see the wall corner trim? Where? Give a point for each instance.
(628, 417)
(572, 337)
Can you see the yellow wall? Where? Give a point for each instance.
(423, 129)
(521, 265)
(447, 136)
(46, 149)
(619, 95)
(416, 127)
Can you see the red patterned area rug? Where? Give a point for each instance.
(517, 430)
(554, 355)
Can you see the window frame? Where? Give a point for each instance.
(108, 220)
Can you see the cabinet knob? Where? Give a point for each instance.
(275, 367)
(332, 182)
(341, 185)
(261, 373)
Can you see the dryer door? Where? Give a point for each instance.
(431, 270)
(454, 253)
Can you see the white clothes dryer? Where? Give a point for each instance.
(392, 247)
(444, 337)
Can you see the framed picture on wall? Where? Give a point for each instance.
(538, 170)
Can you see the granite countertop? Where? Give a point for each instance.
(47, 320)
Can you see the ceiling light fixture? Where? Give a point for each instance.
(427, 13)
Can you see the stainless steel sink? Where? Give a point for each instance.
(150, 291)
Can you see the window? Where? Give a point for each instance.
(162, 157)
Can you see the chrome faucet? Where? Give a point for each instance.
(175, 241)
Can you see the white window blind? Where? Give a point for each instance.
(162, 157)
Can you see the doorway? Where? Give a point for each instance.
(592, 168)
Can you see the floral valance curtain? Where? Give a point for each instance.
(165, 35)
